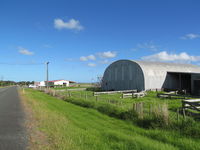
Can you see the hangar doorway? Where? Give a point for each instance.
(178, 81)
(196, 87)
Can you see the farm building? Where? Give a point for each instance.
(61, 82)
(143, 75)
(56, 83)
(43, 83)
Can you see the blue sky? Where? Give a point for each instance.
(80, 38)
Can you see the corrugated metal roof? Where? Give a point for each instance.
(169, 67)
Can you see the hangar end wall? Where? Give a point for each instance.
(123, 75)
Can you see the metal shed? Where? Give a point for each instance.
(143, 75)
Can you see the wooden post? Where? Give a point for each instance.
(54, 92)
(141, 110)
(133, 106)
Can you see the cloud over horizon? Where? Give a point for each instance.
(86, 58)
(91, 64)
(171, 57)
(190, 36)
(24, 51)
(107, 54)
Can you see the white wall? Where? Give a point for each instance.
(42, 83)
(62, 82)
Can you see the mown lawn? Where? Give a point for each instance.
(71, 127)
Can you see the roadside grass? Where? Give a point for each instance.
(154, 112)
(71, 127)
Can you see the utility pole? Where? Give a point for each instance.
(47, 75)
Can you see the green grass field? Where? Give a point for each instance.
(151, 98)
(72, 127)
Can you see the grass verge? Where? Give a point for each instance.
(68, 126)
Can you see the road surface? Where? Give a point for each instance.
(12, 117)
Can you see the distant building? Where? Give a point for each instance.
(36, 84)
(61, 82)
(44, 83)
(143, 75)
(64, 83)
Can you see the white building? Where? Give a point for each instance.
(43, 83)
(56, 83)
(61, 82)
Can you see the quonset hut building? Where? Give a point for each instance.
(143, 75)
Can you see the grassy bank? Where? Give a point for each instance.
(68, 126)
(148, 112)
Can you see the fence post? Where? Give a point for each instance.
(132, 95)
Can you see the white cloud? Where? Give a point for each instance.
(25, 51)
(91, 57)
(83, 58)
(92, 65)
(171, 57)
(86, 58)
(72, 24)
(190, 36)
(107, 54)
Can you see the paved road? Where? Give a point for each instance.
(12, 117)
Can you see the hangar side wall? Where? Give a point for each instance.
(123, 75)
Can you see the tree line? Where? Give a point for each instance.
(7, 83)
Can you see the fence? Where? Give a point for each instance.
(133, 95)
(113, 92)
(193, 104)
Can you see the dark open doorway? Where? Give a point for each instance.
(196, 86)
(178, 81)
